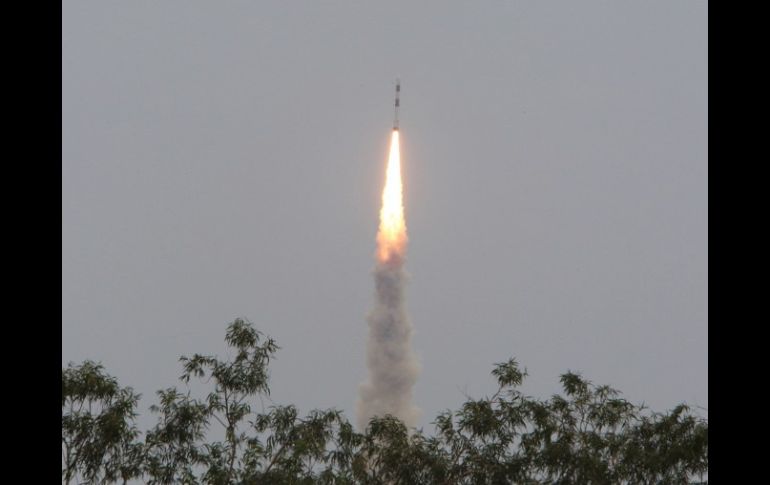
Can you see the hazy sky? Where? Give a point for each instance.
(225, 159)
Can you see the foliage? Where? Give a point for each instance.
(97, 427)
(587, 435)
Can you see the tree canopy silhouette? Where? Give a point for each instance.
(587, 435)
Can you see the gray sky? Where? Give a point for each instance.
(225, 159)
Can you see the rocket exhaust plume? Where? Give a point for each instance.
(393, 366)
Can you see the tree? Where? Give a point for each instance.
(587, 435)
(97, 427)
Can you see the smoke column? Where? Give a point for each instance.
(393, 366)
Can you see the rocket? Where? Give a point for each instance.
(395, 117)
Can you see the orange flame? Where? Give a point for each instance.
(391, 237)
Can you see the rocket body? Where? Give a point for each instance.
(396, 105)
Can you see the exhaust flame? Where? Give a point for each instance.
(393, 367)
(391, 237)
